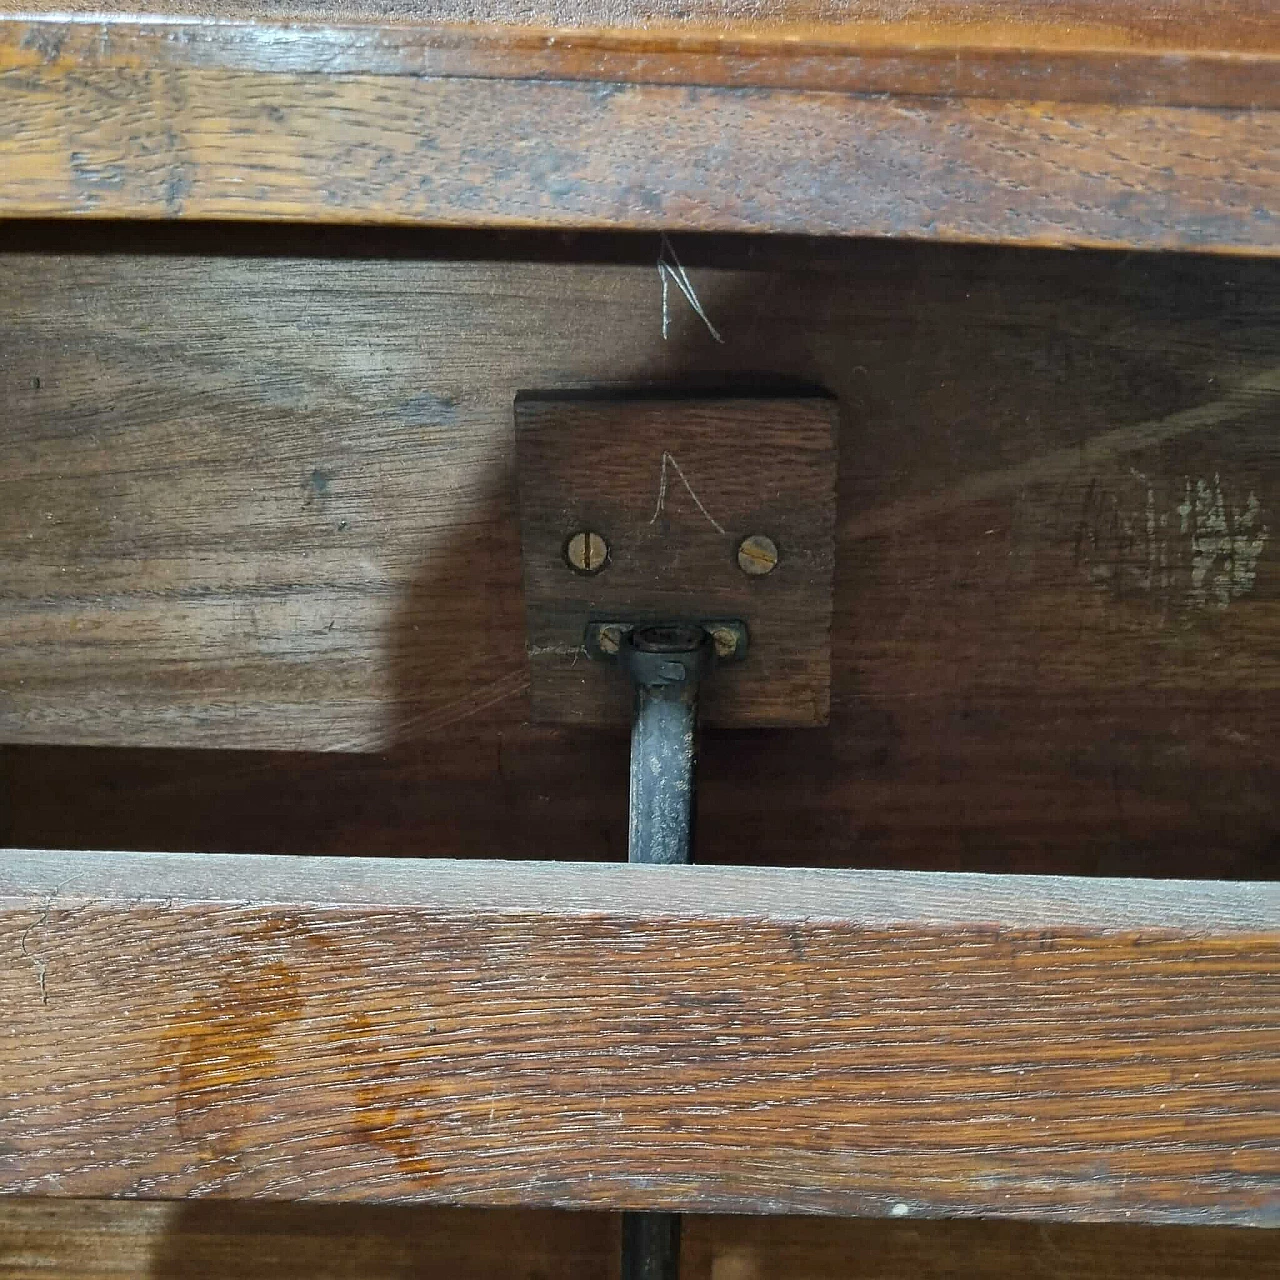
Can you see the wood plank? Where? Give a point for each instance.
(734, 1248)
(612, 1036)
(202, 1240)
(264, 498)
(210, 1240)
(129, 140)
(1232, 62)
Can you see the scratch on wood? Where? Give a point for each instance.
(38, 963)
(432, 721)
(668, 459)
(1062, 464)
(574, 651)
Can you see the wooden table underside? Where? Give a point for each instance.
(493, 1034)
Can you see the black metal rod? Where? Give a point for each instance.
(650, 1246)
(666, 665)
(663, 754)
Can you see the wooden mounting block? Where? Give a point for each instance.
(676, 494)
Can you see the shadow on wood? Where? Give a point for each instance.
(1024, 676)
(203, 1240)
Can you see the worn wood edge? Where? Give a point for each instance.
(948, 60)
(863, 899)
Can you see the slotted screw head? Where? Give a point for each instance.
(586, 552)
(610, 640)
(757, 555)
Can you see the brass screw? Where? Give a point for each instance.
(586, 552)
(610, 639)
(725, 640)
(757, 555)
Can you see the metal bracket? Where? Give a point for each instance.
(603, 641)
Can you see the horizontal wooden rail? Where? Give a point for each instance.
(702, 1038)
(1221, 67)
(1114, 144)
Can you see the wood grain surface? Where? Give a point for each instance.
(202, 1240)
(1181, 25)
(1229, 63)
(265, 498)
(729, 1248)
(622, 1037)
(135, 140)
(627, 469)
(211, 1240)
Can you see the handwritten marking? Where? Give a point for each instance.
(36, 962)
(671, 271)
(668, 458)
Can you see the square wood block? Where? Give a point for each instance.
(673, 487)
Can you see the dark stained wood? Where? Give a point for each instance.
(202, 1240)
(268, 501)
(211, 1240)
(488, 1033)
(133, 140)
(673, 487)
(822, 1249)
(1226, 65)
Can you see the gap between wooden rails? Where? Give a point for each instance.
(709, 1038)
(1010, 137)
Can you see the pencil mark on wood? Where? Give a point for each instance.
(37, 962)
(669, 460)
(452, 713)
